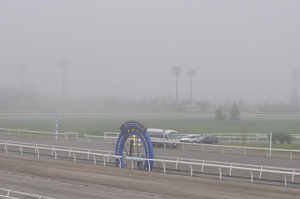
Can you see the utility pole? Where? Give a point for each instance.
(294, 100)
(191, 73)
(22, 69)
(176, 70)
(63, 65)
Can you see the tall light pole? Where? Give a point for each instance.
(63, 65)
(191, 73)
(22, 69)
(176, 70)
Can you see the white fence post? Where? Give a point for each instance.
(103, 160)
(293, 176)
(230, 171)
(131, 164)
(202, 168)
(149, 167)
(21, 149)
(260, 173)
(176, 165)
(108, 156)
(285, 180)
(270, 153)
(70, 152)
(88, 155)
(55, 154)
(95, 160)
(52, 150)
(5, 147)
(7, 195)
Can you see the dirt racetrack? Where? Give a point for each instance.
(60, 179)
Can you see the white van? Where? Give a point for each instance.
(158, 136)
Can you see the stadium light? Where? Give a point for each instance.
(191, 73)
(176, 70)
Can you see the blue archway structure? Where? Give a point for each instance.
(134, 128)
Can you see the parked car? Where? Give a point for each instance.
(208, 140)
(190, 138)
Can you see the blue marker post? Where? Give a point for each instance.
(56, 125)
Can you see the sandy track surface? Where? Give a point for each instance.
(61, 179)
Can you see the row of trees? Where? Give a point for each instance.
(28, 99)
(281, 137)
(234, 113)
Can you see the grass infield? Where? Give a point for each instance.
(98, 127)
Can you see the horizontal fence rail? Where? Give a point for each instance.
(215, 148)
(6, 194)
(9, 116)
(242, 150)
(111, 138)
(190, 165)
(232, 166)
(20, 132)
(53, 151)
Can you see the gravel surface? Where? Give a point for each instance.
(63, 179)
(60, 179)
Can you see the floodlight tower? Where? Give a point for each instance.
(176, 70)
(294, 101)
(22, 69)
(191, 73)
(63, 65)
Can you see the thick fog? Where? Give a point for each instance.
(240, 49)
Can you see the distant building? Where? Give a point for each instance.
(192, 107)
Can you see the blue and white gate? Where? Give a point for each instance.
(132, 128)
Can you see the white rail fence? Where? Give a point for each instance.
(232, 166)
(20, 132)
(294, 170)
(7, 194)
(224, 149)
(254, 138)
(269, 152)
(191, 163)
(110, 137)
(241, 137)
(10, 116)
(53, 151)
(223, 137)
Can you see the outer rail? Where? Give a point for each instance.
(220, 167)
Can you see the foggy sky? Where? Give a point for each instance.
(246, 49)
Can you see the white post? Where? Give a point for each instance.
(251, 176)
(56, 125)
(270, 153)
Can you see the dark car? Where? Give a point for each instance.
(208, 140)
(162, 144)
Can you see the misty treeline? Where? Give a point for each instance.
(13, 99)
